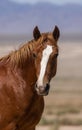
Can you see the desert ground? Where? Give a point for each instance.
(63, 105)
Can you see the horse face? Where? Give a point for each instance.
(46, 60)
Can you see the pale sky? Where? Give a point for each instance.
(51, 1)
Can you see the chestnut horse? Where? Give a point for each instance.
(25, 76)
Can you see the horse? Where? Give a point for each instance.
(25, 76)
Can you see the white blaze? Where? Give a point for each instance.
(45, 57)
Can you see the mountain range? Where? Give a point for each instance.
(21, 18)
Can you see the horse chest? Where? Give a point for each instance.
(33, 114)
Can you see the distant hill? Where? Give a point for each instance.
(21, 19)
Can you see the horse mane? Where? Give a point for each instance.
(18, 57)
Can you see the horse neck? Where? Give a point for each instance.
(23, 60)
(28, 68)
(29, 73)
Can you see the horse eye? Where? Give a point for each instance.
(45, 40)
(56, 55)
(34, 55)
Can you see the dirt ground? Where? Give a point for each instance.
(63, 105)
(61, 128)
(71, 128)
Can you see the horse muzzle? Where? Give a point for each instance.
(42, 90)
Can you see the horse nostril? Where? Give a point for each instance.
(35, 85)
(41, 89)
(47, 87)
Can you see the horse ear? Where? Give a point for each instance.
(56, 33)
(36, 33)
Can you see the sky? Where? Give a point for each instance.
(51, 1)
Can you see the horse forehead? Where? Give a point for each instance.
(48, 50)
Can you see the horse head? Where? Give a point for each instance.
(45, 58)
